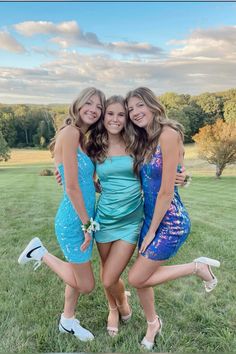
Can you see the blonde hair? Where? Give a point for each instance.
(97, 145)
(144, 141)
(74, 118)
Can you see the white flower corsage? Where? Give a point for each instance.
(187, 181)
(90, 226)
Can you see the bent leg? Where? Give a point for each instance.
(77, 275)
(146, 272)
(71, 299)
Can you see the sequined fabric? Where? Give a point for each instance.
(67, 223)
(175, 226)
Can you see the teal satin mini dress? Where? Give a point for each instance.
(120, 205)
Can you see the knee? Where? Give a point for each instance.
(107, 281)
(86, 287)
(134, 280)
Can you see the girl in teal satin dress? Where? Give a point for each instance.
(120, 205)
(119, 208)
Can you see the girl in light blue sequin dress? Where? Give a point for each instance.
(76, 209)
(158, 150)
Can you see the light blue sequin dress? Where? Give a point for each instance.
(175, 225)
(67, 222)
(120, 205)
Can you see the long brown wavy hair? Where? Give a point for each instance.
(74, 118)
(143, 142)
(97, 143)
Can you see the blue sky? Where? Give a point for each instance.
(51, 50)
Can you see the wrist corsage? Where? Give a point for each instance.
(90, 226)
(187, 181)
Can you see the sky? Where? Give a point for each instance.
(49, 51)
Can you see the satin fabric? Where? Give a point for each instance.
(120, 205)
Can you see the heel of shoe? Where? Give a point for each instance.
(146, 343)
(210, 262)
(126, 318)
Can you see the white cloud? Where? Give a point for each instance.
(31, 28)
(134, 47)
(215, 43)
(205, 61)
(9, 43)
(68, 34)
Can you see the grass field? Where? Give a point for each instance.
(32, 301)
(193, 164)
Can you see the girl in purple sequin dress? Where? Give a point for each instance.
(174, 228)
(159, 151)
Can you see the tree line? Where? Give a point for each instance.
(24, 125)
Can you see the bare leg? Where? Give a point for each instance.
(71, 299)
(146, 297)
(146, 272)
(113, 315)
(104, 249)
(78, 276)
(114, 257)
(114, 263)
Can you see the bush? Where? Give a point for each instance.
(46, 172)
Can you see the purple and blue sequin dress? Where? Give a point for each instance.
(175, 225)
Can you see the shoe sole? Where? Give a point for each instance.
(209, 261)
(62, 330)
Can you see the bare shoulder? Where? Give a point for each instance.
(169, 135)
(69, 133)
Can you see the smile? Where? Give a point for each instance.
(140, 117)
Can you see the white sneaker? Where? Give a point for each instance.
(72, 326)
(34, 251)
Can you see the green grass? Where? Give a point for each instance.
(32, 301)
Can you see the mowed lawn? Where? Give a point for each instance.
(31, 301)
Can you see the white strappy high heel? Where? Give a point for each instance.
(111, 330)
(125, 318)
(146, 343)
(210, 284)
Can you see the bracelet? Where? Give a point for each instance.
(90, 226)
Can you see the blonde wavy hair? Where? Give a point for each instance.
(97, 145)
(74, 118)
(143, 142)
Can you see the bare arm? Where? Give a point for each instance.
(69, 141)
(170, 145)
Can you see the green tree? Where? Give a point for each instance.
(4, 149)
(217, 144)
(21, 113)
(212, 105)
(8, 127)
(182, 118)
(196, 117)
(230, 111)
(172, 100)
